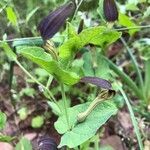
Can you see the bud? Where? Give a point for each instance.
(47, 143)
(97, 81)
(110, 10)
(53, 22)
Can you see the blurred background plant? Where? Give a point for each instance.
(19, 19)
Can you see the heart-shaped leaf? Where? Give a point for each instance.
(44, 60)
(98, 36)
(81, 132)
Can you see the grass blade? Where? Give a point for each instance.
(134, 122)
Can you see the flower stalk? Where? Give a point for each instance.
(104, 95)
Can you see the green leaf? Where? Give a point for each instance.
(44, 60)
(3, 119)
(37, 122)
(134, 2)
(143, 46)
(55, 108)
(81, 132)
(23, 113)
(125, 21)
(147, 81)
(96, 66)
(11, 16)
(102, 70)
(71, 30)
(99, 36)
(30, 42)
(28, 92)
(100, 10)
(88, 68)
(58, 109)
(24, 144)
(9, 52)
(146, 13)
(5, 138)
(76, 66)
(42, 75)
(132, 7)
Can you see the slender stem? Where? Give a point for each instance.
(3, 8)
(104, 95)
(134, 63)
(34, 79)
(132, 28)
(25, 39)
(43, 86)
(125, 78)
(134, 122)
(78, 5)
(34, 38)
(96, 143)
(83, 115)
(49, 81)
(65, 104)
(147, 81)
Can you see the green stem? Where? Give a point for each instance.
(3, 8)
(49, 81)
(134, 63)
(147, 81)
(96, 143)
(132, 28)
(65, 104)
(78, 5)
(104, 95)
(25, 71)
(34, 79)
(134, 122)
(125, 78)
(39, 38)
(83, 115)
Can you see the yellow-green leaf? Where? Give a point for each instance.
(99, 36)
(45, 61)
(9, 52)
(11, 16)
(81, 132)
(127, 22)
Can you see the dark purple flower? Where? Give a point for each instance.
(47, 143)
(53, 22)
(80, 28)
(110, 10)
(97, 81)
